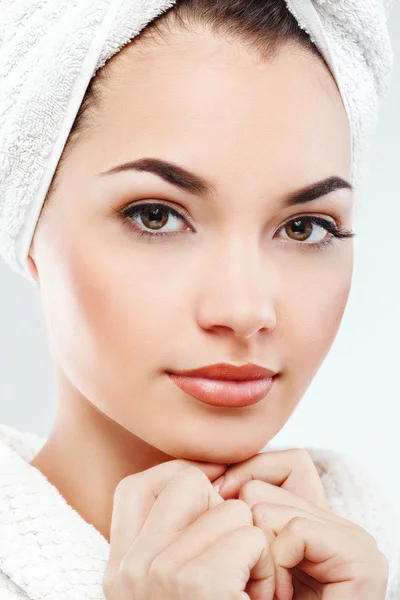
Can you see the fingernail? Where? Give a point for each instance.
(218, 483)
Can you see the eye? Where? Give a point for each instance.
(311, 230)
(306, 228)
(156, 219)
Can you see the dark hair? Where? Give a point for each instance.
(263, 25)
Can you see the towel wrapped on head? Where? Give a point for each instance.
(50, 50)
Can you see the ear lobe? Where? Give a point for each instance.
(32, 266)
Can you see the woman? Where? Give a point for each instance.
(193, 259)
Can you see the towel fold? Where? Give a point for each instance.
(50, 49)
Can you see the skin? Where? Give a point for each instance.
(120, 311)
(269, 518)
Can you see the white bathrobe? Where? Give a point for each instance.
(49, 552)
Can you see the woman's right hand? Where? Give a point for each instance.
(173, 537)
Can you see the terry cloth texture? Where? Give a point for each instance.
(49, 552)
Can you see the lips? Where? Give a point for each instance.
(226, 371)
(226, 385)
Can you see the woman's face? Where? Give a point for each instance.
(234, 279)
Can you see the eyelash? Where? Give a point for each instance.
(130, 213)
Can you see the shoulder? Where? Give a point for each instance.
(24, 443)
(354, 495)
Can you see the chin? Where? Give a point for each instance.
(218, 455)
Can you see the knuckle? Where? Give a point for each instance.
(296, 525)
(195, 476)
(378, 573)
(130, 573)
(259, 511)
(238, 510)
(123, 485)
(161, 570)
(108, 586)
(258, 535)
(369, 538)
(303, 457)
(193, 577)
(251, 489)
(373, 541)
(192, 471)
(119, 488)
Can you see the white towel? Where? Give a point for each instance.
(50, 49)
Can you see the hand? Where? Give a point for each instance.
(173, 537)
(317, 554)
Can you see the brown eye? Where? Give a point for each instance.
(308, 230)
(299, 229)
(154, 217)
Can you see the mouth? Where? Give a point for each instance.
(229, 385)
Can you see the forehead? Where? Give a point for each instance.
(214, 102)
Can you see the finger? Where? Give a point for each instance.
(232, 556)
(255, 492)
(184, 499)
(272, 519)
(211, 525)
(292, 470)
(134, 497)
(263, 589)
(330, 555)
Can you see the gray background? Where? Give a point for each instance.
(352, 405)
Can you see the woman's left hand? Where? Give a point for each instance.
(313, 554)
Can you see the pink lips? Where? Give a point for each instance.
(226, 385)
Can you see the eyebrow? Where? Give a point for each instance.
(190, 182)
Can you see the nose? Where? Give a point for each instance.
(238, 294)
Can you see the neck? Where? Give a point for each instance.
(86, 456)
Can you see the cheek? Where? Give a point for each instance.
(312, 316)
(108, 321)
(309, 312)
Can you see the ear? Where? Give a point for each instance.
(32, 268)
